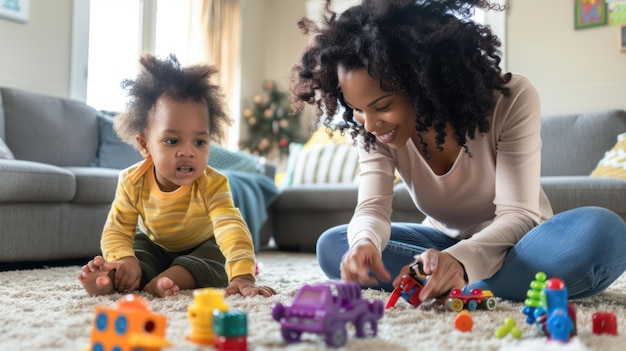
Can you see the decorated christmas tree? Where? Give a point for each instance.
(271, 123)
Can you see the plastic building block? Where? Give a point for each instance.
(409, 288)
(230, 330)
(200, 314)
(559, 326)
(325, 309)
(484, 298)
(463, 321)
(508, 327)
(130, 325)
(604, 323)
(533, 299)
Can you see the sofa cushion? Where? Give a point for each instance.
(567, 192)
(221, 158)
(49, 129)
(5, 153)
(613, 164)
(27, 181)
(94, 185)
(112, 151)
(573, 144)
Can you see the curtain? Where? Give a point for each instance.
(216, 25)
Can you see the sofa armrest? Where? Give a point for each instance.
(567, 192)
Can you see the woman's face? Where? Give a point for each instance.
(388, 116)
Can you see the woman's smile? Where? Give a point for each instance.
(389, 136)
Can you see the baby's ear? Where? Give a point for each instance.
(142, 145)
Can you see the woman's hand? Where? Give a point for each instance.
(245, 286)
(362, 258)
(446, 273)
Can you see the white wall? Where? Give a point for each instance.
(573, 70)
(35, 55)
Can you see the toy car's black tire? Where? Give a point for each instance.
(490, 303)
(291, 335)
(366, 326)
(337, 335)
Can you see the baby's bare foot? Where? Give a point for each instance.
(162, 287)
(95, 277)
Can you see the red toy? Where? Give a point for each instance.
(410, 287)
(477, 297)
(604, 323)
(230, 330)
(128, 326)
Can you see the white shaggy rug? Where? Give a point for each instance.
(46, 309)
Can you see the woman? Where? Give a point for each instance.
(424, 95)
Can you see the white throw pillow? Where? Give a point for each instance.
(5, 153)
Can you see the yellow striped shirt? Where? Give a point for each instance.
(177, 220)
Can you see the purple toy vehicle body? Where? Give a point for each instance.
(325, 309)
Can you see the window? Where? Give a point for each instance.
(112, 60)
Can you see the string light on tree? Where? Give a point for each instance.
(270, 122)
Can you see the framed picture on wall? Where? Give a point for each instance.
(622, 38)
(590, 13)
(14, 10)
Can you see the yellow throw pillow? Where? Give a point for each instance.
(613, 164)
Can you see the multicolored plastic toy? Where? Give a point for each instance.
(484, 298)
(231, 330)
(325, 309)
(200, 314)
(533, 297)
(410, 287)
(554, 316)
(129, 326)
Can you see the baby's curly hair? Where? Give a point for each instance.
(166, 76)
(429, 51)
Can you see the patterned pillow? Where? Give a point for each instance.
(5, 153)
(613, 164)
(221, 158)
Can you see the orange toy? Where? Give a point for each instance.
(131, 325)
(463, 321)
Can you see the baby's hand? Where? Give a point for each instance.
(245, 286)
(127, 275)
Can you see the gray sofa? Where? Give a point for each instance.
(320, 196)
(56, 192)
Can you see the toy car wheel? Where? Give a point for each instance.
(290, 335)
(454, 304)
(490, 303)
(337, 335)
(471, 305)
(366, 326)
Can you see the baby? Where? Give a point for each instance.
(172, 224)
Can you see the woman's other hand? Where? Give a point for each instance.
(445, 273)
(363, 258)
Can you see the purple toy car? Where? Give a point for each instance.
(324, 309)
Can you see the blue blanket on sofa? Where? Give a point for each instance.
(252, 194)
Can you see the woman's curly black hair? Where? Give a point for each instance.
(166, 76)
(447, 65)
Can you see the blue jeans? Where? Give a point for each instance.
(586, 247)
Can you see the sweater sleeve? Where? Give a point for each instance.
(372, 216)
(119, 229)
(516, 132)
(231, 232)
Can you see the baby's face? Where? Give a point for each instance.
(177, 139)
